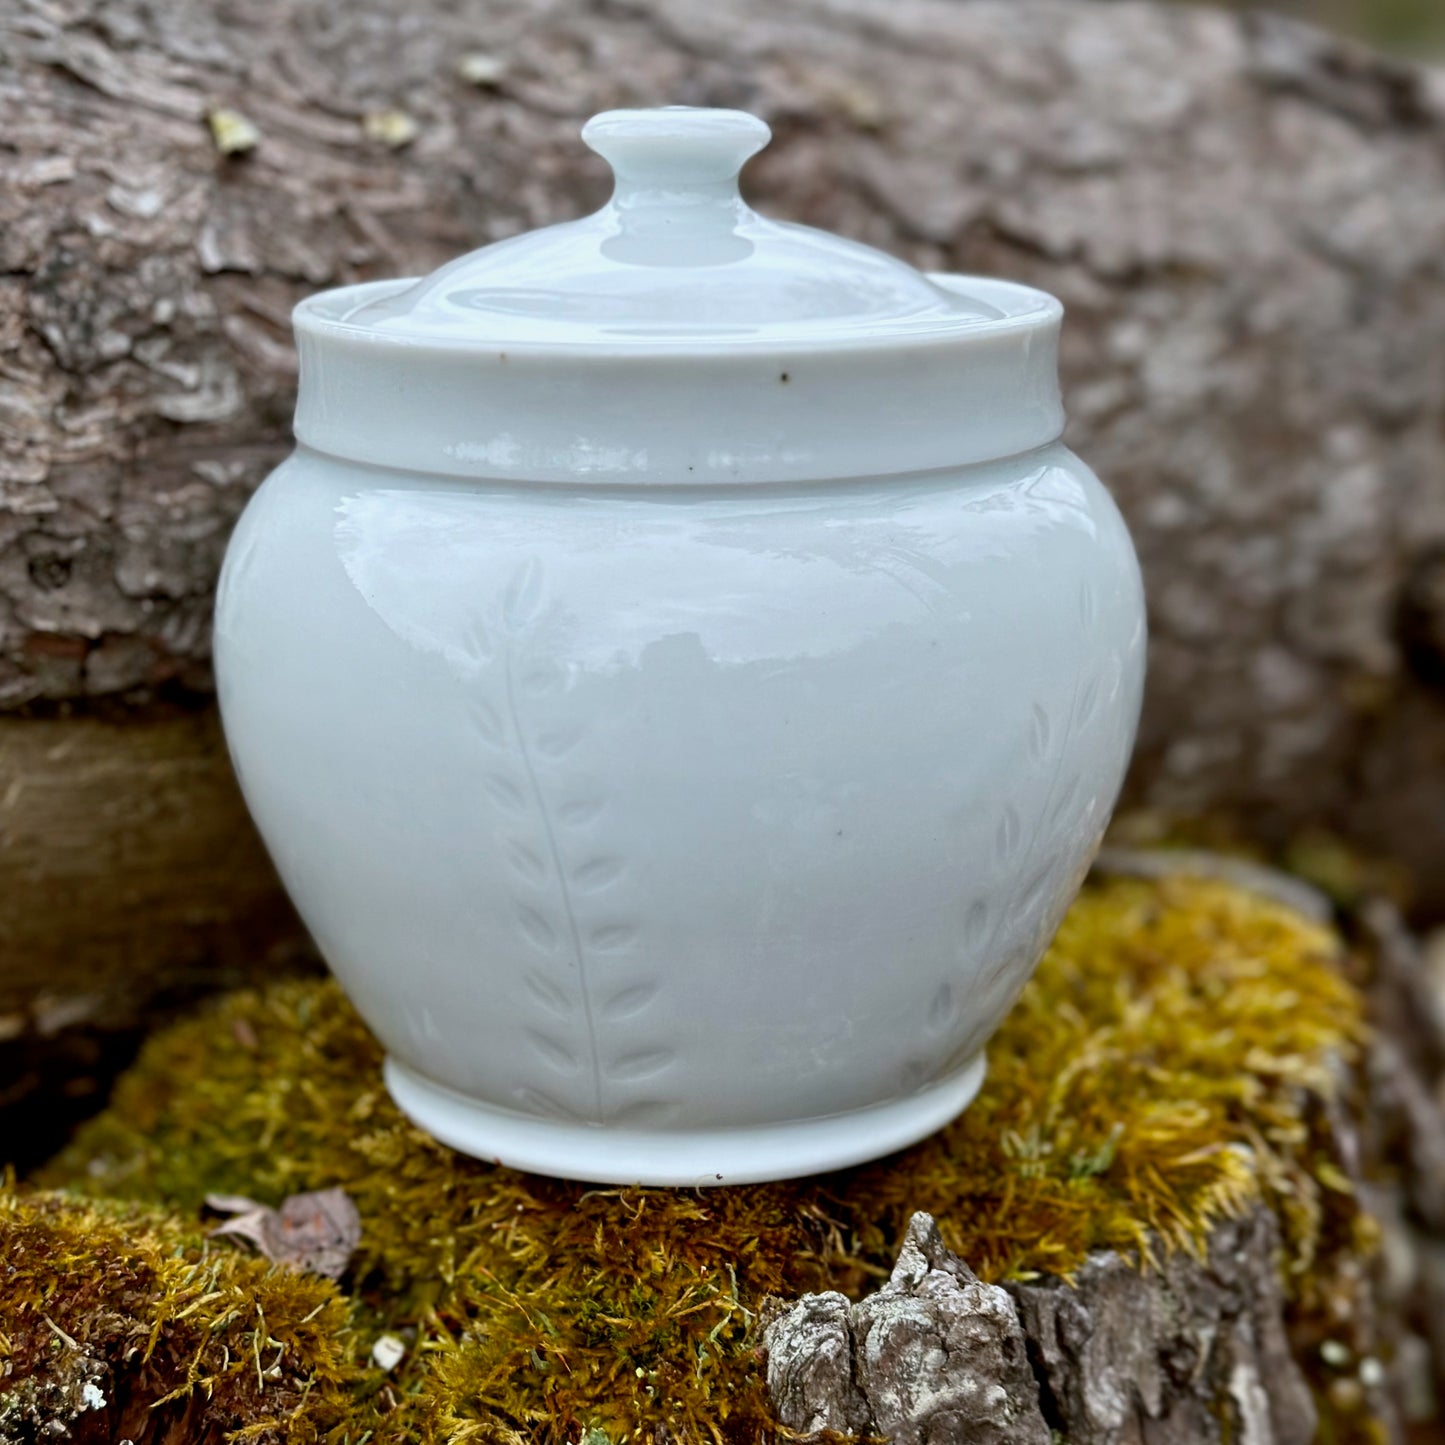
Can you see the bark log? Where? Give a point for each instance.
(934, 1356)
(1401, 1152)
(131, 881)
(1194, 1352)
(127, 854)
(1241, 214)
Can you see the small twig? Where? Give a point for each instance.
(74, 1344)
(256, 1348)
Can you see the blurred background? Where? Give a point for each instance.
(1403, 27)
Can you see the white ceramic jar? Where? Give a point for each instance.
(680, 675)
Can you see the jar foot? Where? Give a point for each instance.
(682, 1157)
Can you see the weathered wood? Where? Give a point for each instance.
(933, 1356)
(1193, 1352)
(1400, 1150)
(128, 857)
(130, 878)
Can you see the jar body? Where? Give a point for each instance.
(681, 835)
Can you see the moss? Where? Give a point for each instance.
(1346, 876)
(117, 1316)
(1152, 1078)
(1163, 1069)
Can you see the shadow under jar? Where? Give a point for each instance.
(680, 676)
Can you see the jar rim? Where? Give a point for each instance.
(670, 414)
(1023, 307)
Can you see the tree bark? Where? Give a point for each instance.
(934, 1356)
(1194, 1352)
(1241, 214)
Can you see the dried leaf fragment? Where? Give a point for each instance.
(316, 1232)
(394, 128)
(233, 133)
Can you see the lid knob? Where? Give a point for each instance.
(680, 149)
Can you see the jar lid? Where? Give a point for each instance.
(676, 336)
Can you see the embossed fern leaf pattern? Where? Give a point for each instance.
(566, 888)
(1050, 754)
(1017, 850)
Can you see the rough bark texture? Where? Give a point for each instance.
(1244, 217)
(931, 1358)
(1193, 1353)
(1401, 1151)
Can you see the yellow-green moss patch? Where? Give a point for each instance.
(1163, 1068)
(112, 1312)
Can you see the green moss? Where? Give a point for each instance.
(1162, 1069)
(113, 1312)
(1153, 1077)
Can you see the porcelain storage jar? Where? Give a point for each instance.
(680, 676)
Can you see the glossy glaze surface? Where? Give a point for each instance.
(680, 677)
(682, 813)
(676, 337)
(677, 259)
